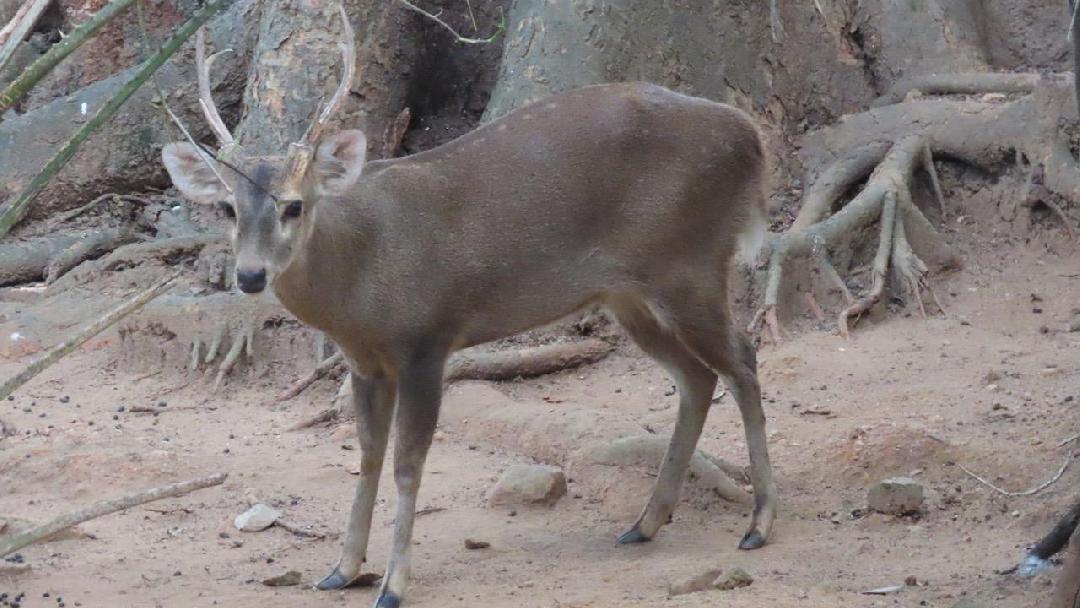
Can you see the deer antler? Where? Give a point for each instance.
(300, 152)
(206, 100)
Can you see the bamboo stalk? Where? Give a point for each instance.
(44, 64)
(18, 541)
(57, 352)
(18, 207)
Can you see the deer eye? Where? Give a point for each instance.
(227, 210)
(292, 209)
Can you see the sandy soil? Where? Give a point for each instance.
(994, 386)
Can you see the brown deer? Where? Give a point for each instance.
(626, 195)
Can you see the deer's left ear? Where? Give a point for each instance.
(339, 160)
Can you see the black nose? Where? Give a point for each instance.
(251, 281)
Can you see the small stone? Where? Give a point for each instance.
(473, 545)
(258, 517)
(289, 579)
(528, 484)
(896, 496)
(701, 582)
(733, 580)
(1074, 325)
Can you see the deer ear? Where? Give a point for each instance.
(191, 175)
(339, 160)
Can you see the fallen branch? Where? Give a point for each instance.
(496, 366)
(17, 209)
(1031, 492)
(18, 541)
(57, 352)
(1066, 442)
(161, 249)
(320, 418)
(320, 370)
(525, 362)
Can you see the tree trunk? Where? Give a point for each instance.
(724, 53)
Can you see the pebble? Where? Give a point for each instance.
(472, 545)
(258, 517)
(528, 484)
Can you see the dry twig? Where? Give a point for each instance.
(1031, 492)
(18, 541)
(57, 352)
(462, 39)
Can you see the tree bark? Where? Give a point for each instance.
(721, 52)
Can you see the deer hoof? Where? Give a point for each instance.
(753, 540)
(633, 535)
(335, 580)
(1031, 566)
(387, 599)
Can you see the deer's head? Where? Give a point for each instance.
(269, 201)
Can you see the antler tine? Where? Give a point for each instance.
(206, 100)
(348, 69)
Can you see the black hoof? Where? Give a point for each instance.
(335, 580)
(752, 540)
(387, 600)
(633, 535)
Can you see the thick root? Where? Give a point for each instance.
(886, 196)
(984, 133)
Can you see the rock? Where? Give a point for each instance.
(701, 582)
(289, 579)
(472, 545)
(733, 580)
(258, 517)
(896, 496)
(1074, 325)
(343, 432)
(528, 484)
(967, 603)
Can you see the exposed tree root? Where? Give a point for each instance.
(49, 257)
(886, 196)
(888, 143)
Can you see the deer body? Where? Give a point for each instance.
(604, 191)
(627, 195)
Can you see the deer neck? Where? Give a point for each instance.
(320, 279)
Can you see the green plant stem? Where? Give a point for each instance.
(18, 207)
(37, 70)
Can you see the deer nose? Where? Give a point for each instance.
(251, 281)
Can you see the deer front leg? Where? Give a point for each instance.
(373, 399)
(420, 394)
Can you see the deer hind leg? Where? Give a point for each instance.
(704, 324)
(420, 394)
(373, 400)
(696, 384)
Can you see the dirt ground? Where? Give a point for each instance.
(993, 386)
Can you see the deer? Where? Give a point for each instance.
(625, 195)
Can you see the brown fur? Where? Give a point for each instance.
(629, 195)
